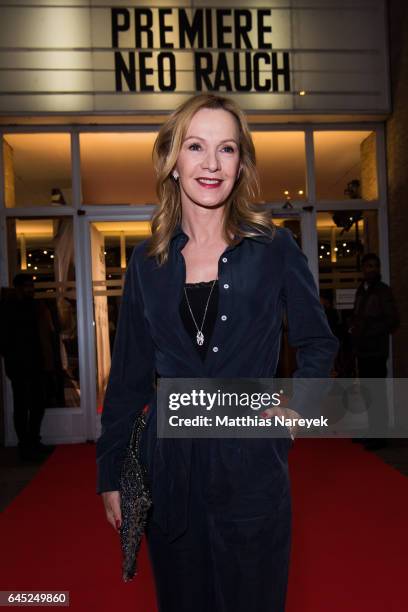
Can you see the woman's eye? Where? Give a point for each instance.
(228, 149)
(194, 146)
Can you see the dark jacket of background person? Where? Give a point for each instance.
(260, 278)
(20, 338)
(375, 317)
(24, 324)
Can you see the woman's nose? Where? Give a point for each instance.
(211, 161)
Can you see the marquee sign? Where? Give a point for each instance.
(286, 56)
(231, 50)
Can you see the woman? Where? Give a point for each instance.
(205, 297)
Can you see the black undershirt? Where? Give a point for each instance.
(197, 296)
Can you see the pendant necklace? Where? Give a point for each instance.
(200, 335)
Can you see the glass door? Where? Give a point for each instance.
(42, 335)
(343, 236)
(111, 245)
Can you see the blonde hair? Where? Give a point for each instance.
(240, 208)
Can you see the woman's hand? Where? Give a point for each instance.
(287, 413)
(111, 500)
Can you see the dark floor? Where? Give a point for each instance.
(15, 474)
(395, 454)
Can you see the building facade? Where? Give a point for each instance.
(84, 89)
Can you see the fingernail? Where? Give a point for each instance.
(264, 414)
(117, 522)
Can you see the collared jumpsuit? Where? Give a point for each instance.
(218, 532)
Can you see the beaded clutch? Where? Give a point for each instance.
(135, 501)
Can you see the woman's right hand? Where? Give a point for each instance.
(111, 500)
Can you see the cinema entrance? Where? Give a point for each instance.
(78, 199)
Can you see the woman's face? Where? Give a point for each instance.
(208, 162)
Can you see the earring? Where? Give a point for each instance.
(175, 175)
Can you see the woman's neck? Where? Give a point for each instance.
(203, 226)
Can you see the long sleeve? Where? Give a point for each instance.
(130, 385)
(308, 329)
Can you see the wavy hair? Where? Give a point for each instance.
(239, 209)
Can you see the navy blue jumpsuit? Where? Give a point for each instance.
(219, 528)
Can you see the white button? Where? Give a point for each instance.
(215, 349)
(223, 317)
(226, 286)
(224, 259)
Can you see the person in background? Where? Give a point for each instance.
(22, 348)
(375, 316)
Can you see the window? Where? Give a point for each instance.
(37, 170)
(281, 163)
(346, 165)
(117, 168)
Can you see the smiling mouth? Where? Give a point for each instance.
(209, 182)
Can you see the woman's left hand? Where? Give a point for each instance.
(287, 413)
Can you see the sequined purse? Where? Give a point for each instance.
(135, 501)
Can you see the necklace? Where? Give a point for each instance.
(200, 335)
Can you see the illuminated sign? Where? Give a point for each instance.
(285, 56)
(238, 55)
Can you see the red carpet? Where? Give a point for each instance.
(350, 536)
